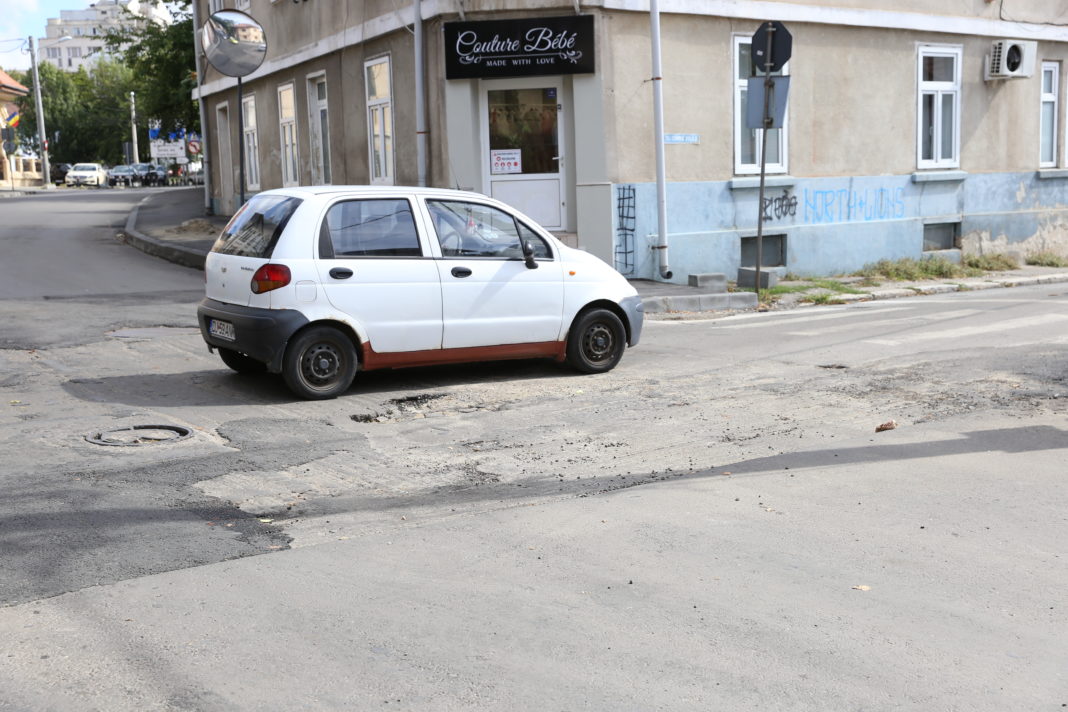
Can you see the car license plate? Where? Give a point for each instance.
(222, 329)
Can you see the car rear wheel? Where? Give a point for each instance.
(240, 362)
(320, 363)
(596, 341)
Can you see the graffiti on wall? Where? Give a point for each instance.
(846, 205)
(781, 206)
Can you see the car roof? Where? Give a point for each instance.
(327, 190)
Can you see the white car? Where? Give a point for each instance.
(317, 283)
(87, 174)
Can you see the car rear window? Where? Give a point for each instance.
(85, 167)
(254, 229)
(369, 228)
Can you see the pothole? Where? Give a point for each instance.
(137, 435)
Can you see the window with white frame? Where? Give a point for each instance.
(319, 130)
(252, 144)
(747, 141)
(1048, 123)
(287, 129)
(938, 115)
(379, 120)
(215, 5)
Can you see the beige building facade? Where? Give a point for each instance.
(912, 127)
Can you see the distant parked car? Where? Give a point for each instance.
(86, 174)
(156, 175)
(123, 175)
(142, 170)
(318, 283)
(58, 172)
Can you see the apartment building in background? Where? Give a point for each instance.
(86, 30)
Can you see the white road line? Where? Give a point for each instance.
(891, 323)
(968, 331)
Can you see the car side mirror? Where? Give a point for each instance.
(528, 254)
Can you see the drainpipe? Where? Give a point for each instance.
(205, 169)
(658, 121)
(420, 94)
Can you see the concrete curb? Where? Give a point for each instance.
(158, 248)
(700, 302)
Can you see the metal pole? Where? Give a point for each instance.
(133, 126)
(658, 121)
(241, 142)
(199, 66)
(768, 85)
(41, 137)
(420, 91)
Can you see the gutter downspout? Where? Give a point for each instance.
(198, 65)
(658, 121)
(420, 94)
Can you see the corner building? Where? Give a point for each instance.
(912, 127)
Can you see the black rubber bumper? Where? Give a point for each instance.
(259, 333)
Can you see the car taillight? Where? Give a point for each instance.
(270, 277)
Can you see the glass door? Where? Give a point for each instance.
(522, 147)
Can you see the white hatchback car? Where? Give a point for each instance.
(315, 283)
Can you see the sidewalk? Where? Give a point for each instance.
(171, 224)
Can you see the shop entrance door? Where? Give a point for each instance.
(522, 147)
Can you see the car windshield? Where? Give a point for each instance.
(84, 167)
(122, 169)
(254, 229)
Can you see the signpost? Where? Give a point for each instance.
(770, 51)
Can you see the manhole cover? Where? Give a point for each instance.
(140, 435)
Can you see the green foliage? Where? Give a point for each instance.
(992, 263)
(1047, 259)
(910, 270)
(822, 298)
(163, 61)
(88, 109)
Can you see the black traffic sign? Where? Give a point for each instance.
(781, 44)
(9, 146)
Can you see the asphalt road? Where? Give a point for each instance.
(714, 525)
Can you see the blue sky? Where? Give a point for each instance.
(22, 18)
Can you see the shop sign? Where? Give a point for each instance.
(507, 160)
(527, 47)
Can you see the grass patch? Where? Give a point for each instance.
(824, 298)
(1047, 259)
(912, 270)
(991, 263)
(834, 285)
(831, 285)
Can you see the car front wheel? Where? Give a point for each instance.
(320, 363)
(596, 341)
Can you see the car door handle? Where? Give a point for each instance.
(341, 273)
(461, 272)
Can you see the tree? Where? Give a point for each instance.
(87, 114)
(163, 60)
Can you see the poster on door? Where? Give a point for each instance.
(507, 160)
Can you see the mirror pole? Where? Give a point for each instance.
(241, 142)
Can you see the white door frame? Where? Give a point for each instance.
(488, 178)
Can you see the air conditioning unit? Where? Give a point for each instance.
(1010, 58)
